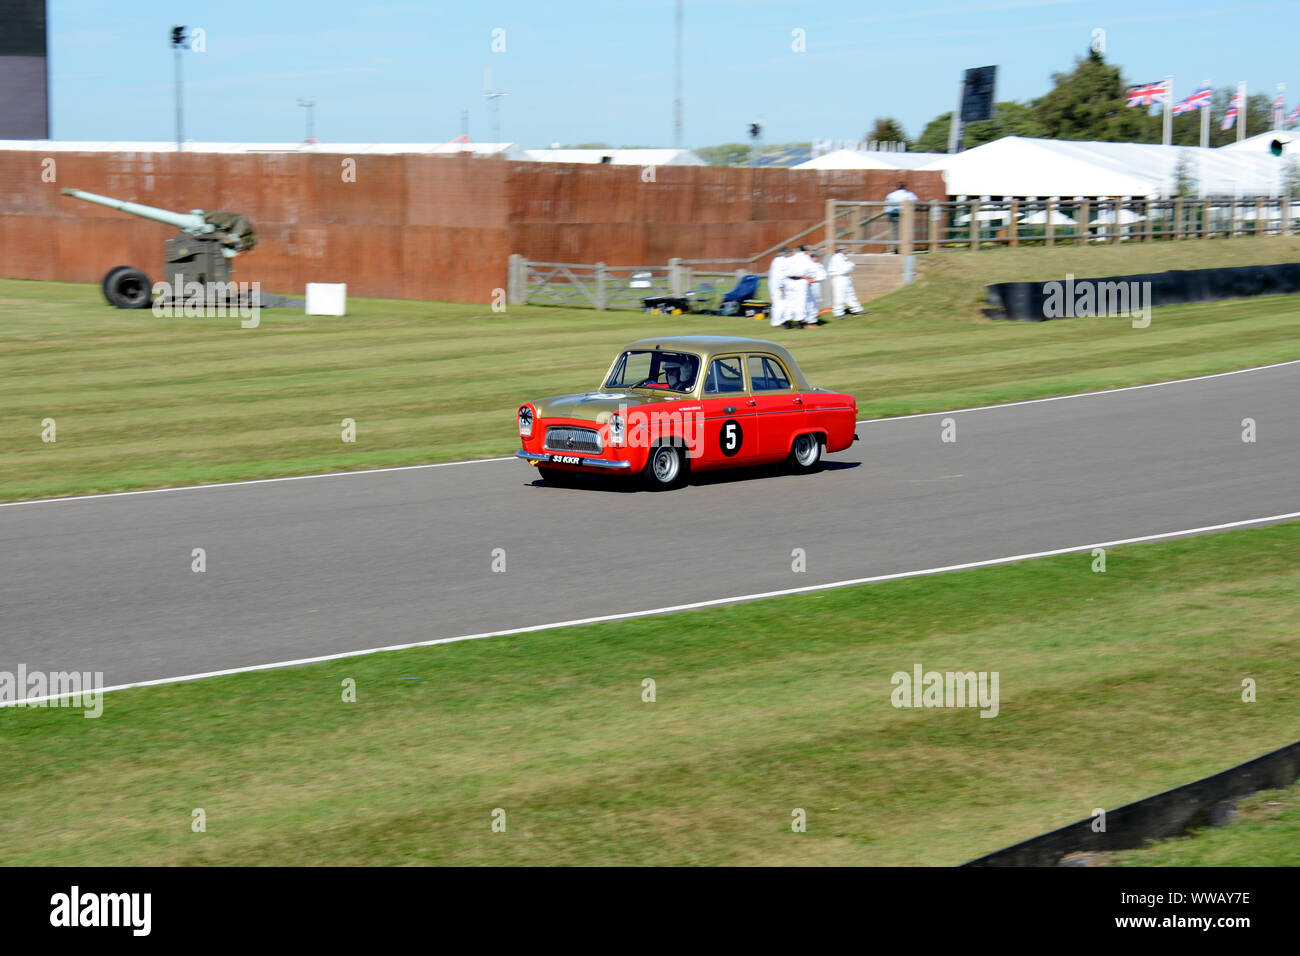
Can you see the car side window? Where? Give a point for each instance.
(766, 375)
(724, 375)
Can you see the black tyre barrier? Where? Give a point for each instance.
(1029, 301)
(1165, 815)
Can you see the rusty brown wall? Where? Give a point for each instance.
(613, 214)
(409, 226)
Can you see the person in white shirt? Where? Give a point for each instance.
(798, 269)
(842, 293)
(777, 280)
(896, 199)
(813, 305)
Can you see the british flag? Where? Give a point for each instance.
(1293, 117)
(1145, 94)
(1230, 117)
(1198, 100)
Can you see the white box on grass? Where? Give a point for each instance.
(327, 298)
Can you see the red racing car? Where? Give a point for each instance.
(685, 403)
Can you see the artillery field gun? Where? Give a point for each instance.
(201, 252)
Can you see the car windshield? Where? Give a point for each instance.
(652, 368)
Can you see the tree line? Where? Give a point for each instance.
(1087, 103)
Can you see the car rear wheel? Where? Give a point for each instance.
(665, 468)
(806, 454)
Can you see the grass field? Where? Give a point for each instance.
(953, 284)
(760, 709)
(140, 401)
(1113, 686)
(1267, 822)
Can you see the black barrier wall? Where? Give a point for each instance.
(1083, 298)
(1156, 818)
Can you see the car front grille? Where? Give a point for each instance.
(568, 438)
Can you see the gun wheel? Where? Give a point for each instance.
(128, 288)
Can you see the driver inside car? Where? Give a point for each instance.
(679, 374)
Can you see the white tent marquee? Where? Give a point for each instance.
(1018, 166)
(869, 159)
(1262, 142)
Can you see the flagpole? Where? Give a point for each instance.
(1167, 131)
(1241, 111)
(1279, 106)
(1205, 123)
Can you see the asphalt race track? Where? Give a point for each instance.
(326, 565)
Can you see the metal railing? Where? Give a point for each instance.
(869, 227)
(586, 285)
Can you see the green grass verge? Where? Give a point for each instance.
(1265, 832)
(1113, 686)
(953, 283)
(140, 401)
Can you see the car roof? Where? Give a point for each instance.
(710, 345)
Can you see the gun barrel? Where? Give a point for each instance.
(192, 223)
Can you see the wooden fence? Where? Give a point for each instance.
(907, 228)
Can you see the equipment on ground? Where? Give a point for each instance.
(201, 252)
(741, 301)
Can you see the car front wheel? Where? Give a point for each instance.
(665, 468)
(806, 454)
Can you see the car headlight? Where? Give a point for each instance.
(525, 421)
(616, 429)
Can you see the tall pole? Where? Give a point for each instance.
(1241, 111)
(954, 130)
(178, 39)
(677, 100)
(1279, 106)
(1205, 120)
(1167, 131)
(494, 98)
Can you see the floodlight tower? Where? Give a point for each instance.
(178, 44)
(494, 98)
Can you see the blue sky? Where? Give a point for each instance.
(586, 71)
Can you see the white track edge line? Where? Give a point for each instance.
(479, 461)
(252, 481)
(1061, 398)
(672, 609)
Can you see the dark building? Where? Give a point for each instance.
(24, 74)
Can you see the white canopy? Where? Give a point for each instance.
(1040, 218)
(1126, 217)
(1262, 142)
(1019, 166)
(985, 215)
(868, 159)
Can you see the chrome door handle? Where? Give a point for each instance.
(751, 402)
(798, 400)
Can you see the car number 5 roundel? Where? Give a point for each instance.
(731, 437)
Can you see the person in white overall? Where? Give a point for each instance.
(777, 290)
(843, 295)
